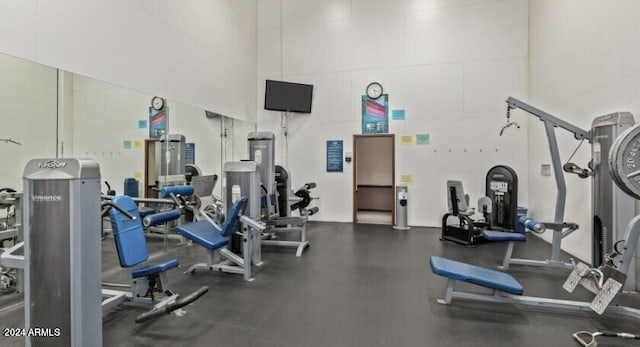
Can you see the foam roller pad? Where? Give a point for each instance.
(160, 218)
(531, 224)
(165, 192)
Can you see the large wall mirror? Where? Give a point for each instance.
(112, 125)
(28, 114)
(28, 118)
(49, 113)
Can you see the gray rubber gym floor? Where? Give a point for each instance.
(358, 285)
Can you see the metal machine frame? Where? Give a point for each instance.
(559, 227)
(501, 297)
(62, 257)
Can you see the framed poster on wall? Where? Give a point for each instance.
(375, 115)
(157, 122)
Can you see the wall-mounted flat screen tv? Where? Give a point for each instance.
(288, 97)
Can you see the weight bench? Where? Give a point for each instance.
(504, 289)
(148, 280)
(499, 282)
(207, 234)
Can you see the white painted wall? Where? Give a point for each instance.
(583, 63)
(200, 53)
(27, 115)
(450, 64)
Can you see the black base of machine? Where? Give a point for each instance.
(468, 232)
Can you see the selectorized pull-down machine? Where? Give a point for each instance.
(611, 207)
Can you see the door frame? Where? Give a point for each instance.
(355, 173)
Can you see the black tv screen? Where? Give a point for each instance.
(288, 97)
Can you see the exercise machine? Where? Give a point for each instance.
(233, 247)
(148, 281)
(288, 201)
(164, 163)
(62, 256)
(172, 161)
(277, 200)
(498, 209)
(610, 206)
(605, 281)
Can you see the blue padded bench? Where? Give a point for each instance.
(506, 290)
(484, 277)
(493, 235)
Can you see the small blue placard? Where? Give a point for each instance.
(398, 114)
(142, 124)
(190, 153)
(334, 156)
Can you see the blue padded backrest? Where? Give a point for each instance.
(165, 192)
(131, 187)
(129, 235)
(232, 222)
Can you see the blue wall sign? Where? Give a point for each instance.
(334, 156)
(190, 153)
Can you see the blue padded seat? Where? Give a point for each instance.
(154, 268)
(477, 275)
(493, 235)
(203, 233)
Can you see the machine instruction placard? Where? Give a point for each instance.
(334, 155)
(190, 153)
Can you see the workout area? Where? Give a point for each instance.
(320, 173)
